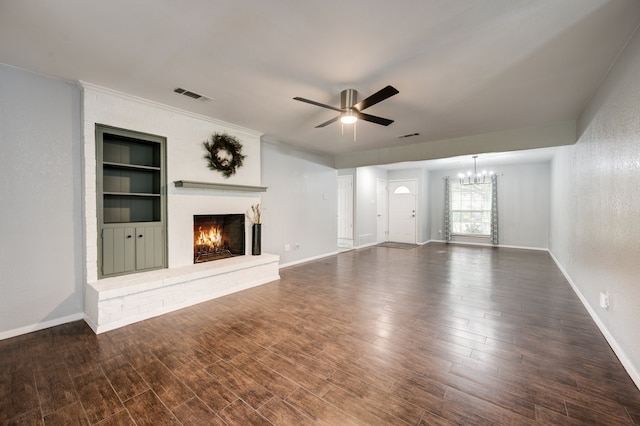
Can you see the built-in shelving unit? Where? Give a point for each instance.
(131, 201)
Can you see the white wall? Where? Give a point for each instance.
(595, 231)
(185, 133)
(301, 203)
(523, 204)
(41, 269)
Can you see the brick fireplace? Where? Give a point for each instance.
(116, 301)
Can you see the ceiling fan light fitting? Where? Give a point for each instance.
(348, 118)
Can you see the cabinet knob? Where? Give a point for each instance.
(128, 236)
(140, 236)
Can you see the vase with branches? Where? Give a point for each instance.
(254, 215)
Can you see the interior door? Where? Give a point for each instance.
(345, 211)
(382, 217)
(402, 211)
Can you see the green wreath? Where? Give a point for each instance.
(224, 153)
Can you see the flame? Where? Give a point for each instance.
(211, 237)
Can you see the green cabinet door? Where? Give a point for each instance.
(129, 249)
(118, 250)
(149, 247)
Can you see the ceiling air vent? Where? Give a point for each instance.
(190, 94)
(409, 135)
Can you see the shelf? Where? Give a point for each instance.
(219, 186)
(131, 194)
(120, 149)
(131, 208)
(129, 166)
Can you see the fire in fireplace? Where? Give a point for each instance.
(217, 237)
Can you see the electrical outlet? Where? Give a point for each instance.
(287, 247)
(604, 300)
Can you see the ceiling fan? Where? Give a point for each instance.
(351, 110)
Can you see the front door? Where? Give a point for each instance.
(402, 211)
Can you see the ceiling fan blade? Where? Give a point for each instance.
(326, 123)
(297, 98)
(379, 96)
(374, 119)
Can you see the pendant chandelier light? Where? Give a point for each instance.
(475, 177)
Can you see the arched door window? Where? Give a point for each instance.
(402, 190)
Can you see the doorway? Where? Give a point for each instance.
(402, 211)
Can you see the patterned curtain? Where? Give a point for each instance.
(447, 209)
(494, 209)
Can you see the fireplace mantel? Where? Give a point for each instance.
(219, 186)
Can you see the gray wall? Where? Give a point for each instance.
(40, 202)
(523, 204)
(301, 203)
(595, 231)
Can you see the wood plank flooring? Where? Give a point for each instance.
(436, 335)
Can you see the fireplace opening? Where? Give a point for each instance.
(217, 237)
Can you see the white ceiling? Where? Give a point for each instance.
(463, 67)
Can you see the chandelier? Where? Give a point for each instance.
(475, 177)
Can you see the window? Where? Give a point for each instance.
(402, 190)
(471, 209)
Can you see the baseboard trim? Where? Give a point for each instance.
(41, 326)
(624, 360)
(522, 247)
(465, 243)
(367, 245)
(309, 259)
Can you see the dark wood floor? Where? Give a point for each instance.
(433, 335)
